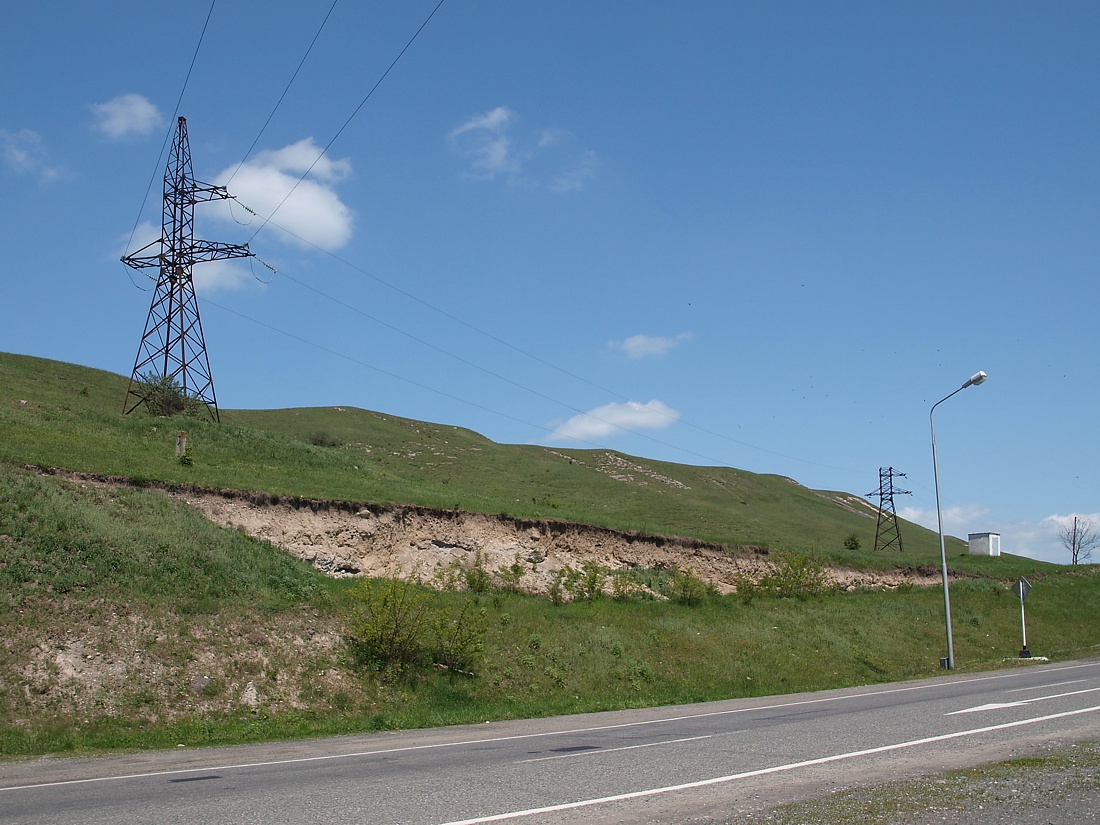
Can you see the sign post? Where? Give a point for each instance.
(1021, 589)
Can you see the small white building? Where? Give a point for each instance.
(985, 544)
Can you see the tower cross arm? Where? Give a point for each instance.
(201, 192)
(140, 261)
(214, 251)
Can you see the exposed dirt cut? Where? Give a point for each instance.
(348, 540)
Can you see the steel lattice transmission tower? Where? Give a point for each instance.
(172, 347)
(887, 533)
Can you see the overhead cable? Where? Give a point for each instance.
(285, 90)
(171, 129)
(351, 117)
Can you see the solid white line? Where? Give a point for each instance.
(596, 751)
(718, 780)
(489, 740)
(1038, 687)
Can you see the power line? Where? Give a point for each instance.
(351, 117)
(268, 219)
(283, 95)
(519, 350)
(351, 308)
(171, 128)
(381, 371)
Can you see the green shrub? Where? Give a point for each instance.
(685, 588)
(391, 628)
(459, 637)
(477, 577)
(746, 588)
(798, 576)
(511, 575)
(162, 394)
(400, 626)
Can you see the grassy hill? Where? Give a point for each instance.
(69, 417)
(129, 620)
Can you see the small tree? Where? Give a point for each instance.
(1080, 538)
(163, 394)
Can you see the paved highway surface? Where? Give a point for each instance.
(696, 763)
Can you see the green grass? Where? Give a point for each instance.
(69, 417)
(130, 621)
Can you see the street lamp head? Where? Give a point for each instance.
(977, 378)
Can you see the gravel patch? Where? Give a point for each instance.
(1056, 786)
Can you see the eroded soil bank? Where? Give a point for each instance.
(348, 540)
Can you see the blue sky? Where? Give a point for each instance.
(763, 235)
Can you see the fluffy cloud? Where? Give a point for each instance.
(542, 159)
(1036, 540)
(957, 521)
(126, 116)
(221, 276)
(614, 419)
(25, 152)
(308, 208)
(644, 346)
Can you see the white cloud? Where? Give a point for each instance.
(482, 139)
(643, 346)
(1036, 540)
(221, 276)
(25, 152)
(313, 211)
(127, 115)
(957, 521)
(615, 419)
(494, 121)
(544, 158)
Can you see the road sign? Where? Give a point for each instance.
(1021, 588)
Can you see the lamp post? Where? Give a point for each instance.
(975, 379)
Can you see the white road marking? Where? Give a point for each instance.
(719, 780)
(991, 706)
(1039, 687)
(1000, 705)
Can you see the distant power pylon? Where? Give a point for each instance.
(173, 349)
(887, 533)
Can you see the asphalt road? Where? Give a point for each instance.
(697, 763)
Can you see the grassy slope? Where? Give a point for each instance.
(160, 597)
(71, 419)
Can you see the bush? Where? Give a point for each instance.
(459, 637)
(797, 576)
(685, 588)
(390, 631)
(163, 394)
(401, 626)
(852, 542)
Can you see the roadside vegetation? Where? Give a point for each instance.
(131, 621)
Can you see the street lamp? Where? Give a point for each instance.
(975, 379)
